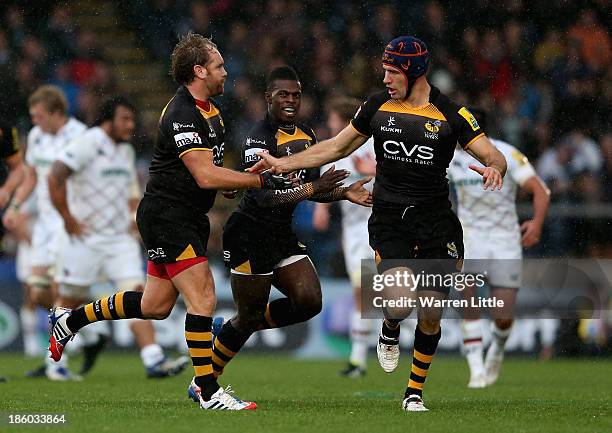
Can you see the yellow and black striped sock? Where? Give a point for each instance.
(227, 344)
(424, 349)
(122, 305)
(199, 341)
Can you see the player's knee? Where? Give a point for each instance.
(503, 323)
(39, 283)
(309, 304)
(429, 326)
(248, 322)
(154, 311)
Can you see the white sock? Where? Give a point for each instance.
(471, 331)
(360, 330)
(498, 342)
(151, 355)
(29, 320)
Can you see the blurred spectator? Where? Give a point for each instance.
(197, 20)
(593, 39)
(61, 34)
(87, 54)
(606, 172)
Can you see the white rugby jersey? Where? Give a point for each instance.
(489, 210)
(353, 213)
(99, 189)
(42, 150)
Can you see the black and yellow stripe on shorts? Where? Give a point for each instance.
(221, 355)
(200, 351)
(110, 308)
(418, 372)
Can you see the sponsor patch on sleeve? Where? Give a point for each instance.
(187, 138)
(465, 113)
(519, 157)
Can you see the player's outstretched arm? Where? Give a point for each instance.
(493, 160)
(209, 176)
(355, 193)
(333, 149)
(532, 229)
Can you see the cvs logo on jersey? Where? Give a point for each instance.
(187, 138)
(218, 151)
(398, 147)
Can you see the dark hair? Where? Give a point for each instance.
(192, 49)
(108, 108)
(345, 107)
(281, 73)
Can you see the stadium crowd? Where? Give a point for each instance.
(546, 83)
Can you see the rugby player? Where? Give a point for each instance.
(260, 248)
(185, 173)
(493, 244)
(415, 130)
(53, 130)
(98, 168)
(355, 245)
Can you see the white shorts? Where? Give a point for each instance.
(356, 247)
(47, 239)
(85, 261)
(499, 254)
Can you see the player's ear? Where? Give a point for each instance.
(200, 71)
(268, 96)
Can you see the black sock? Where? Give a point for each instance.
(198, 335)
(122, 305)
(390, 330)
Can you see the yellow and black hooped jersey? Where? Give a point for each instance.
(268, 135)
(414, 145)
(185, 125)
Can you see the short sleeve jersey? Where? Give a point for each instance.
(414, 145)
(99, 189)
(483, 210)
(185, 125)
(44, 148)
(268, 136)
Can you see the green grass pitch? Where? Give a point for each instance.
(309, 396)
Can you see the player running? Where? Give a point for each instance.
(415, 129)
(98, 169)
(493, 244)
(185, 173)
(259, 245)
(355, 245)
(52, 132)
